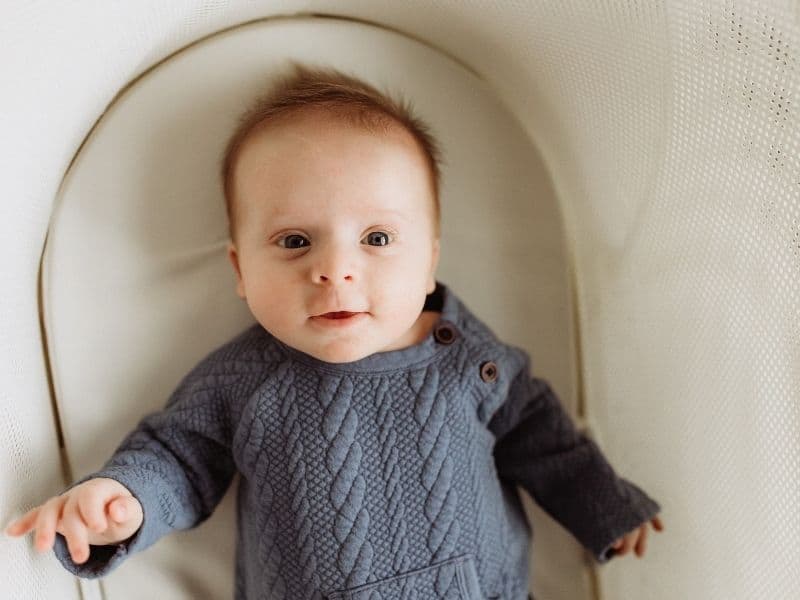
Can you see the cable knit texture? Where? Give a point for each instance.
(391, 477)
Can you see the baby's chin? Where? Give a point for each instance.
(339, 355)
(338, 349)
(348, 350)
(334, 351)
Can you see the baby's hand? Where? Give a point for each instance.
(99, 511)
(637, 538)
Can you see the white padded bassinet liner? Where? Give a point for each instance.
(666, 134)
(137, 283)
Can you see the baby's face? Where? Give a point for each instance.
(335, 218)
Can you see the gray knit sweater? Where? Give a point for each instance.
(393, 476)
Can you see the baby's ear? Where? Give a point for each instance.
(434, 265)
(233, 256)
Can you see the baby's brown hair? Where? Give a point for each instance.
(343, 96)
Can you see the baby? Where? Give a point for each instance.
(379, 427)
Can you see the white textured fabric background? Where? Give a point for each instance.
(668, 139)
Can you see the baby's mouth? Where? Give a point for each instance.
(340, 318)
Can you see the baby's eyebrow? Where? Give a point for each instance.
(395, 213)
(288, 216)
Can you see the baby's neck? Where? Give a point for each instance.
(427, 319)
(420, 330)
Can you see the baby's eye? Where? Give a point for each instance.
(381, 238)
(293, 240)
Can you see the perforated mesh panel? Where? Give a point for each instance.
(728, 218)
(676, 152)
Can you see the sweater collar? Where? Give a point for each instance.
(442, 299)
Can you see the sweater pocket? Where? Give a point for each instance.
(452, 579)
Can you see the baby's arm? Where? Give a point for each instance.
(176, 463)
(539, 448)
(97, 512)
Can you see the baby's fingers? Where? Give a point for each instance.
(74, 530)
(119, 509)
(47, 522)
(641, 544)
(92, 510)
(124, 515)
(24, 524)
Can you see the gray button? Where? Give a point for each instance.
(445, 333)
(488, 371)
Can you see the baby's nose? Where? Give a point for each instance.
(323, 278)
(334, 264)
(333, 271)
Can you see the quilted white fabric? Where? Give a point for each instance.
(622, 199)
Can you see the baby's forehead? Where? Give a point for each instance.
(280, 211)
(312, 124)
(296, 149)
(286, 154)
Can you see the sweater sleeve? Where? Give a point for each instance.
(538, 448)
(177, 462)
